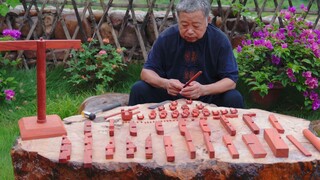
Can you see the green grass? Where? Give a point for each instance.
(64, 100)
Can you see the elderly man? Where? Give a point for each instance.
(180, 52)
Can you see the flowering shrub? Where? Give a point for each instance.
(94, 66)
(283, 56)
(7, 84)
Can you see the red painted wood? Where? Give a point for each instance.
(278, 147)
(315, 141)
(302, 149)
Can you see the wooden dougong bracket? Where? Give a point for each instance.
(42, 125)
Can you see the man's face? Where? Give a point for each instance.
(192, 26)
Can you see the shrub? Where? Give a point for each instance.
(94, 65)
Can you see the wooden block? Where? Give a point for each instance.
(109, 153)
(159, 128)
(231, 147)
(152, 114)
(182, 126)
(302, 149)
(227, 125)
(275, 123)
(192, 150)
(277, 145)
(87, 160)
(224, 111)
(254, 145)
(163, 114)
(195, 112)
(87, 126)
(111, 128)
(233, 111)
(172, 107)
(130, 149)
(185, 106)
(126, 115)
(161, 108)
(204, 127)
(209, 145)
(250, 114)
(133, 128)
(216, 113)
(140, 116)
(231, 115)
(200, 106)
(174, 103)
(312, 138)
(63, 157)
(168, 148)
(175, 114)
(205, 112)
(250, 123)
(148, 147)
(189, 101)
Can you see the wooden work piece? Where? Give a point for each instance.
(130, 149)
(275, 123)
(315, 141)
(302, 149)
(148, 147)
(159, 128)
(40, 126)
(87, 159)
(250, 123)
(111, 127)
(254, 145)
(182, 126)
(209, 146)
(133, 128)
(65, 150)
(276, 144)
(204, 127)
(231, 147)
(168, 148)
(227, 125)
(110, 149)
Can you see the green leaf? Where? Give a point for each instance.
(13, 3)
(4, 9)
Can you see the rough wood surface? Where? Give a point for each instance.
(38, 159)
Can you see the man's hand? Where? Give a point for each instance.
(193, 91)
(173, 87)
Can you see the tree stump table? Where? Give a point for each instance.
(180, 146)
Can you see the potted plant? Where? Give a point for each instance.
(287, 55)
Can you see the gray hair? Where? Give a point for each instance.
(194, 5)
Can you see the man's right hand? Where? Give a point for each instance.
(173, 87)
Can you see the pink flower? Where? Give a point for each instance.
(9, 94)
(102, 52)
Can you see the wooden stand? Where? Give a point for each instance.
(40, 126)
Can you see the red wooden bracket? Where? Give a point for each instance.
(185, 113)
(65, 150)
(163, 114)
(174, 103)
(312, 138)
(152, 114)
(233, 111)
(126, 115)
(302, 149)
(276, 144)
(110, 149)
(250, 114)
(224, 111)
(185, 106)
(159, 128)
(161, 108)
(231, 147)
(189, 101)
(168, 148)
(133, 128)
(172, 107)
(231, 115)
(254, 145)
(111, 127)
(216, 113)
(251, 124)
(140, 116)
(130, 149)
(206, 112)
(195, 112)
(204, 127)
(227, 125)
(148, 147)
(275, 123)
(175, 114)
(200, 106)
(182, 126)
(207, 141)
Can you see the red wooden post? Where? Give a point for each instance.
(42, 125)
(41, 80)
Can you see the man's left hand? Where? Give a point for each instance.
(193, 91)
